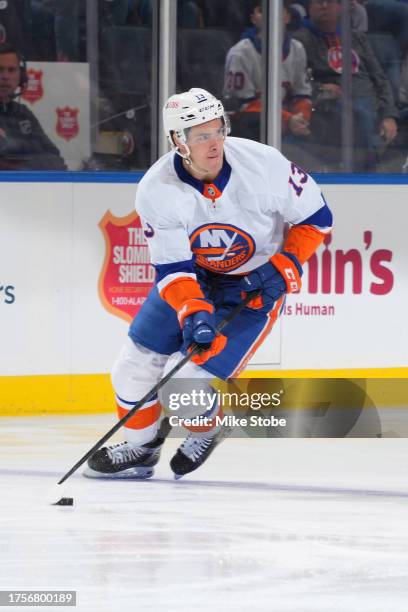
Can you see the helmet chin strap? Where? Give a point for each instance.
(189, 162)
(195, 168)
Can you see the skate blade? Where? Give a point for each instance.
(178, 476)
(139, 473)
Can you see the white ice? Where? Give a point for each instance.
(266, 525)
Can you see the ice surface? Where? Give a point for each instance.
(273, 525)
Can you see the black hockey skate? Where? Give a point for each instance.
(124, 460)
(195, 450)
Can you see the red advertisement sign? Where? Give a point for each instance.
(127, 275)
(67, 122)
(34, 90)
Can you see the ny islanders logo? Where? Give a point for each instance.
(221, 247)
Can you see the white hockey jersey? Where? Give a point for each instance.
(243, 72)
(231, 226)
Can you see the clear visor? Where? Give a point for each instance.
(204, 135)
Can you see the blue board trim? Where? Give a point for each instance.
(135, 177)
(71, 177)
(360, 179)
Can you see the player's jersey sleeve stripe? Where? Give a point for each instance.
(302, 241)
(171, 278)
(321, 219)
(180, 290)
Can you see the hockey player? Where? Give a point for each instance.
(243, 72)
(213, 212)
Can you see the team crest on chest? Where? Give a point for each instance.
(221, 247)
(335, 60)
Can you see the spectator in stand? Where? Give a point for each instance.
(242, 88)
(359, 18)
(374, 111)
(23, 143)
(403, 98)
(297, 14)
(404, 84)
(55, 26)
(358, 15)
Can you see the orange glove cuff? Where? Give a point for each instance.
(179, 291)
(288, 270)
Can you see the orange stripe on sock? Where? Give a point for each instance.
(143, 418)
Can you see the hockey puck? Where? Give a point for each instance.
(65, 501)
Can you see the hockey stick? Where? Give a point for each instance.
(56, 496)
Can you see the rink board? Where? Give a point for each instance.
(59, 339)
